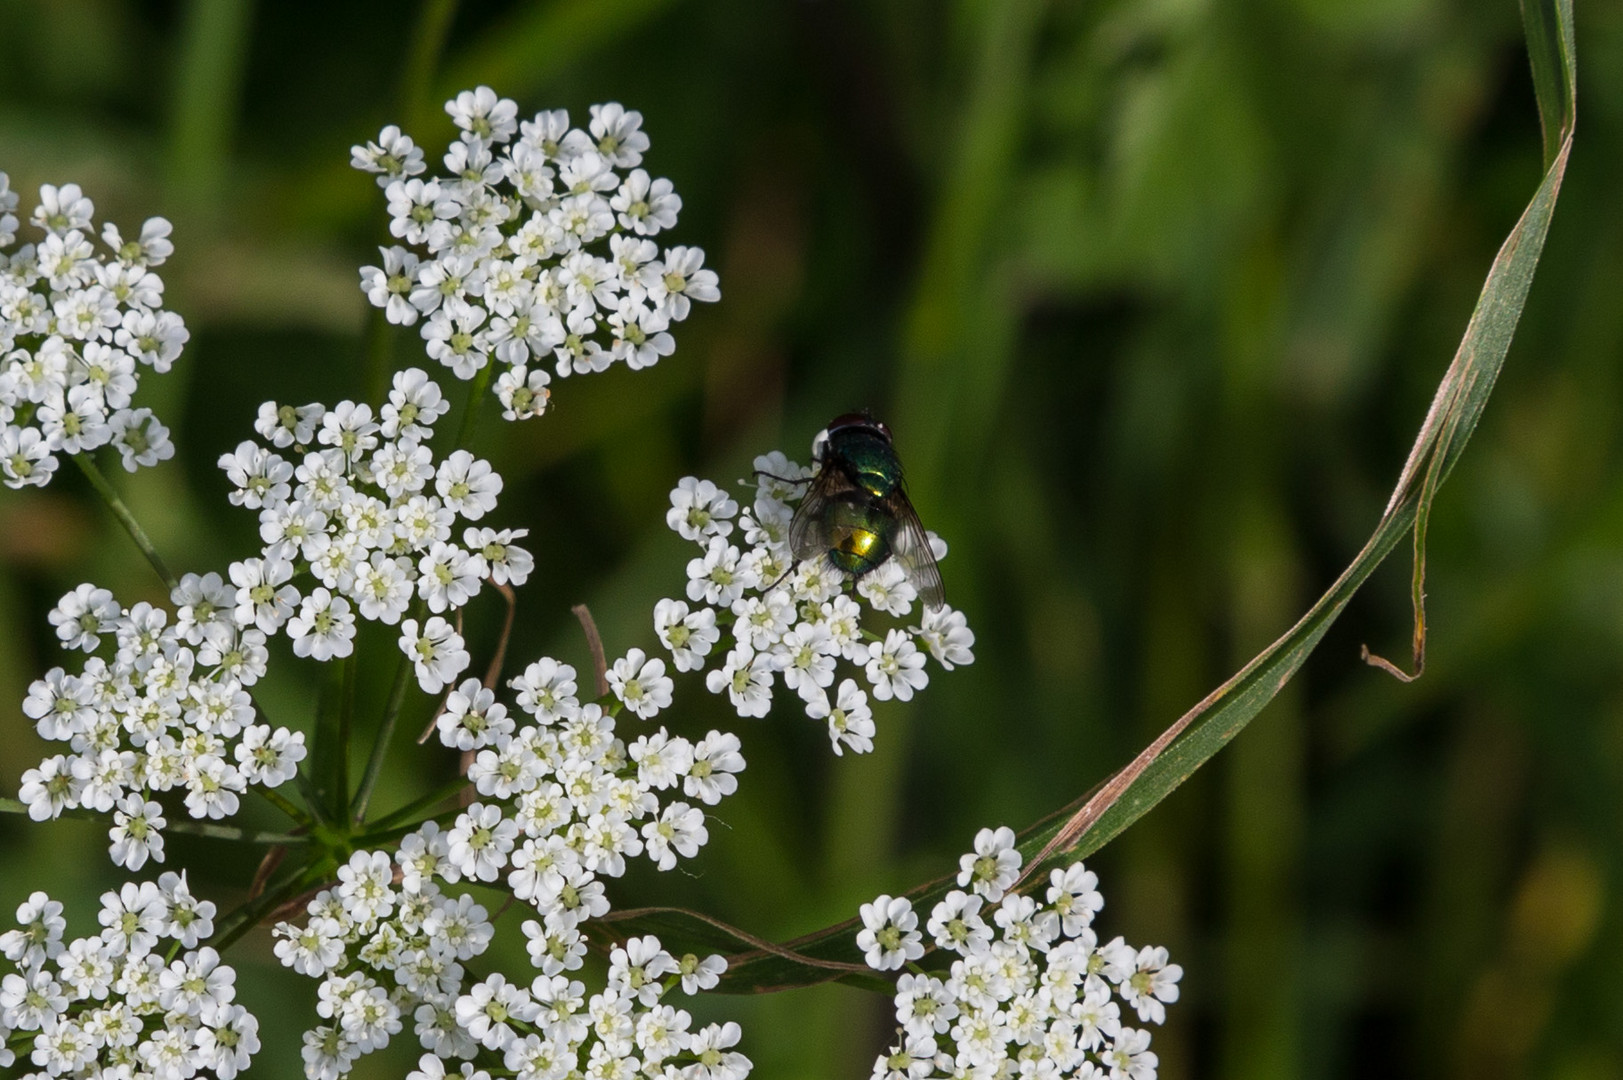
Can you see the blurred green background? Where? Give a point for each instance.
(1154, 294)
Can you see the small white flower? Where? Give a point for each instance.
(473, 718)
(437, 653)
(680, 830)
(483, 115)
(522, 392)
(806, 657)
(993, 866)
(480, 841)
(324, 626)
(850, 721)
(700, 510)
(1129, 1056)
(82, 616)
(269, 756)
(947, 636)
(467, 485)
(887, 589)
(719, 578)
(392, 156)
(690, 635)
(889, 937)
(39, 934)
(641, 684)
(700, 974)
(747, 679)
(415, 402)
(636, 968)
(136, 832)
(506, 562)
(715, 761)
(1145, 979)
(546, 690)
(895, 667)
(448, 577)
(715, 1061)
(139, 438)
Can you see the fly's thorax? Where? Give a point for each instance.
(867, 457)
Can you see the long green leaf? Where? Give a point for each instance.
(1080, 830)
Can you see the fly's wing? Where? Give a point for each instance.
(911, 548)
(807, 540)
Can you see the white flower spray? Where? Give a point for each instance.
(805, 625)
(1018, 987)
(78, 326)
(535, 250)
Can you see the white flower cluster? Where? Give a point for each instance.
(794, 623)
(565, 803)
(76, 327)
(1033, 994)
(127, 1003)
(168, 709)
(535, 249)
(369, 513)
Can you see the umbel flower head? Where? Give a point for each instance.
(161, 703)
(535, 250)
(763, 619)
(141, 998)
(385, 530)
(1018, 987)
(564, 803)
(78, 325)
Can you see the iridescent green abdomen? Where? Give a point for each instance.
(859, 535)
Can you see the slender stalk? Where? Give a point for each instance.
(470, 412)
(125, 518)
(494, 672)
(312, 798)
(380, 746)
(195, 828)
(378, 836)
(244, 918)
(283, 803)
(379, 352)
(594, 642)
(228, 832)
(411, 809)
(346, 723)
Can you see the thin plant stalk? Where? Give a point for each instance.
(380, 747)
(116, 504)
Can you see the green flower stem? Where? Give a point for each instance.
(412, 809)
(88, 466)
(242, 919)
(282, 803)
(346, 721)
(379, 353)
(394, 832)
(229, 832)
(196, 828)
(380, 747)
(470, 412)
(312, 798)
